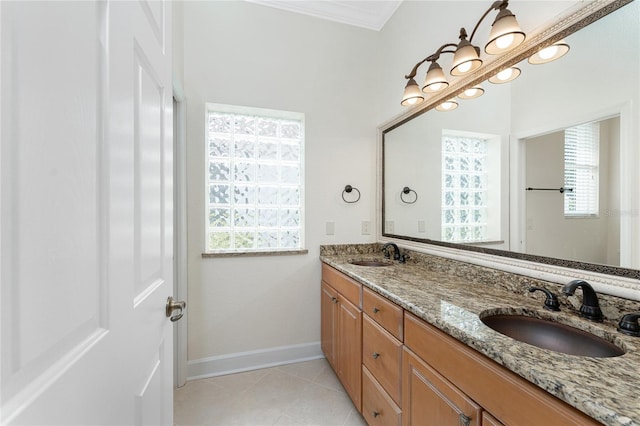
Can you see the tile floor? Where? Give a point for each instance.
(307, 393)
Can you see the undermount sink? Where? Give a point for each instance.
(374, 263)
(551, 335)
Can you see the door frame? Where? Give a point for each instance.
(180, 230)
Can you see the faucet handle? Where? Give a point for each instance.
(551, 301)
(404, 258)
(629, 324)
(386, 253)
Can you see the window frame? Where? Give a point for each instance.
(262, 113)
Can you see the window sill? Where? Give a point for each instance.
(256, 253)
(480, 243)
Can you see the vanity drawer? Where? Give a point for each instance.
(384, 312)
(349, 288)
(382, 355)
(377, 408)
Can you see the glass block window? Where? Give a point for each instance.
(254, 179)
(581, 169)
(464, 188)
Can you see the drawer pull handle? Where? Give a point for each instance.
(376, 310)
(375, 355)
(375, 414)
(464, 420)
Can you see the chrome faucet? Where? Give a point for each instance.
(396, 252)
(590, 308)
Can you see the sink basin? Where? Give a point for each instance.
(374, 263)
(552, 335)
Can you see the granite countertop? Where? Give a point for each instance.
(606, 389)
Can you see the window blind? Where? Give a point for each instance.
(581, 169)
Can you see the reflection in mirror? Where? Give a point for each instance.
(472, 184)
(579, 222)
(543, 102)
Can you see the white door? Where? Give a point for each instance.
(86, 212)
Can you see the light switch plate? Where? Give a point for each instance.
(389, 226)
(366, 227)
(330, 228)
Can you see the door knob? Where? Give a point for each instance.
(172, 305)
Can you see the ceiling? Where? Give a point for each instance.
(360, 13)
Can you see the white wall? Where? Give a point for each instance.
(245, 54)
(177, 21)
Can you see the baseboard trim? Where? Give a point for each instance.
(252, 360)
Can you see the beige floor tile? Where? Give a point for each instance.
(302, 394)
(318, 405)
(308, 370)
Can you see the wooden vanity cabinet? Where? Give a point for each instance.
(378, 409)
(508, 398)
(341, 329)
(384, 312)
(489, 420)
(382, 324)
(431, 400)
(382, 355)
(398, 369)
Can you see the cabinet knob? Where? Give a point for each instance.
(334, 299)
(375, 355)
(375, 414)
(376, 310)
(464, 420)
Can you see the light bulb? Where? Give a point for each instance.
(471, 92)
(504, 41)
(464, 67)
(412, 101)
(447, 105)
(505, 74)
(548, 52)
(435, 87)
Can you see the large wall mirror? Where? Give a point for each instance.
(514, 137)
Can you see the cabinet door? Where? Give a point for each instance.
(349, 349)
(328, 323)
(428, 399)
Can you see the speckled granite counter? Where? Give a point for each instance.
(453, 296)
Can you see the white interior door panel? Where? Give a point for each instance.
(86, 214)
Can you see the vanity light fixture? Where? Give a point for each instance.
(505, 35)
(505, 32)
(550, 53)
(412, 95)
(505, 76)
(435, 79)
(466, 58)
(472, 92)
(449, 105)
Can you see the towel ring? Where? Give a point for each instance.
(407, 190)
(348, 189)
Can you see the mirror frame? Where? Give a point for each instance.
(624, 282)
